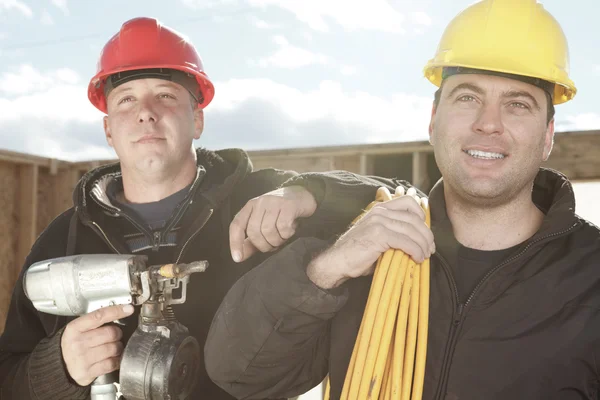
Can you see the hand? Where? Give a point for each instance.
(395, 224)
(91, 349)
(268, 221)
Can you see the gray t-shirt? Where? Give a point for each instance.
(154, 214)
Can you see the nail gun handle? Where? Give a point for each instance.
(104, 388)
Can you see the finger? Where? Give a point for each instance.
(425, 207)
(399, 191)
(286, 224)
(404, 203)
(406, 223)
(254, 233)
(386, 236)
(237, 231)
(100, 317)
(416, 234)
(407, 245)
(269, 228)
(104, 367)
(248, 250)
(102, 335)
(100, 353)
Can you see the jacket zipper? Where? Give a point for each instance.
(106, 238)
(180, 211)
(173, 222)
(456, 317)
(461, 312)
(116, 211)
(204, 221)
(156, 236)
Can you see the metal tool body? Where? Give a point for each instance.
(161, 359)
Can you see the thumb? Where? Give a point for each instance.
(248, 250)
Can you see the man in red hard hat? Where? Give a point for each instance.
(164, 200)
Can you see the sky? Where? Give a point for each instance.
(287, 73)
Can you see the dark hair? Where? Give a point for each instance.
(549, 103)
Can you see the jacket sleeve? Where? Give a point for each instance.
(270, 336)
(31, 363)
(341, 196)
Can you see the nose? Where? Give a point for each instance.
(489, 120)
(147, 112)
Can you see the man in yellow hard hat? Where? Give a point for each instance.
(515, 277)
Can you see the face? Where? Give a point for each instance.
(151, 124)
(490, 136)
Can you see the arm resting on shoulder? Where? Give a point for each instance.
(270, 336)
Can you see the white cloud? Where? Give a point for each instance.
(348, 70)
(62, 5)
(61, 103)
(48, 113)
(580, 122)
(290, 56)
(420, 18)
(202, 4)
(352, 15)
(46, 18)
(260, 113)
(53, 117)
(64, 141)
(26, 79)
(16, 5)
(376, 15)
(262, 24)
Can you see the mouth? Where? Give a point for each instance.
(149, 139)
(485, 155)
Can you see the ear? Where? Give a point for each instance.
(107, 132)
(548, 140)
(431, 124)
(198, 122)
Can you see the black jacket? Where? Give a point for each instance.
(530, 329)
(31, 365)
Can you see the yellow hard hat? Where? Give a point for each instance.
(517, 37)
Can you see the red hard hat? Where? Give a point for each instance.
(144, 43)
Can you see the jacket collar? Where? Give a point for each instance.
(218, 174)
(552, 193)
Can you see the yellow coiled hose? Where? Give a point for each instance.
(388, 360)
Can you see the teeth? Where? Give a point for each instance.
(484, 154)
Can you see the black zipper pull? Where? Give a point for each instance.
(459, 313)
(156, 241)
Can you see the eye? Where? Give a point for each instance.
(166, 96)
(466, 98)
(518, 104)
(125, 100)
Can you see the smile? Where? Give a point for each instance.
(484, 155)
